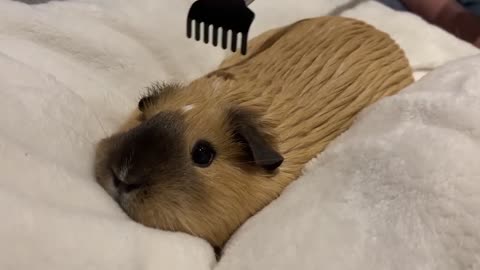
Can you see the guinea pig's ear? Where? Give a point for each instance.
(144, 102)
(154, 92)
(248, 129)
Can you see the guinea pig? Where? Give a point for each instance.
(204, 157)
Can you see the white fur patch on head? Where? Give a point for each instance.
(188, 108)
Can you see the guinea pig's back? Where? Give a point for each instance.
(313, 77)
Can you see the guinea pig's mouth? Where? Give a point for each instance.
(120, 189)
(120, 186)
(115, 188)
(125, 196)
(108, 184)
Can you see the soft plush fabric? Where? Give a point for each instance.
(70, 71)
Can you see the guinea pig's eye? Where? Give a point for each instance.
(203, 154)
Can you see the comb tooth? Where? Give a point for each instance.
(206, 32)
(215, 36)
(224, 38)
(244, 44)
(189, 28)
(197, 30)
(234, 41)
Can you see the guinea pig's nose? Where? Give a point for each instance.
(120, 182)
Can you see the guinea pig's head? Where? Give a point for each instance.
(200, 168)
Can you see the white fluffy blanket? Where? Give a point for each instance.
(398, 191)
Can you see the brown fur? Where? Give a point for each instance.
(300, 86)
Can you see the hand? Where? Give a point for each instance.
(449, 15)
(467, 27)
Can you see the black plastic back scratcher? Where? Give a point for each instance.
(232, 16)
